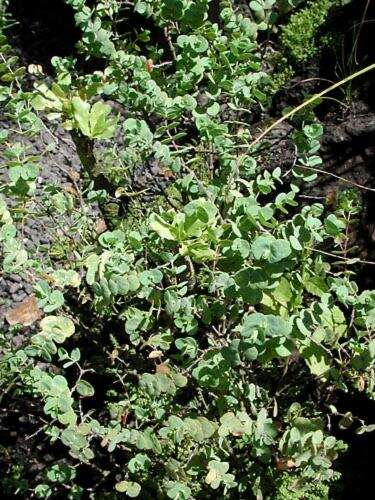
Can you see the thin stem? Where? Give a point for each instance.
(343, 179)
(310, 101)
(340, 257)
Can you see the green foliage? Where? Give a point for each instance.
(177, 339)
(303, 37)
(299, 36)
(93, 121)
(290, 487)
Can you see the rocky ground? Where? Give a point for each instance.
(57, 167)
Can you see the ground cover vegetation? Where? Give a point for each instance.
(187, 337)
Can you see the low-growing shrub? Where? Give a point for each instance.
(192, 347)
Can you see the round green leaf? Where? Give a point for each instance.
(85, 389)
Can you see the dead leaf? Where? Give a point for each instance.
(73, 175)
(70, 190)
(113, 356)
(104, 442)
(331, 198)
(167, 173)
(124, 417)
(361, 383)
(284, 464)
(163, 369)
(50, 279)
(149, 65)
(100, 226)
(155, 354)
(25, 313)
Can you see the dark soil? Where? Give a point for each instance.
(44, 29)
(356, 465)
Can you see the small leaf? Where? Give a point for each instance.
(346, 421)
(178, 491)
(161, 227)
(81, 112)
(132, 489)
(59, 327)
(188, 346)
(365, 428)
(55, 301)
(85, 389)
(317, 360)
(214, 109)
(266, 247)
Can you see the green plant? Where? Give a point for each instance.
(176, 345)
(299, 36)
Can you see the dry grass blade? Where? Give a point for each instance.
(311, 101)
